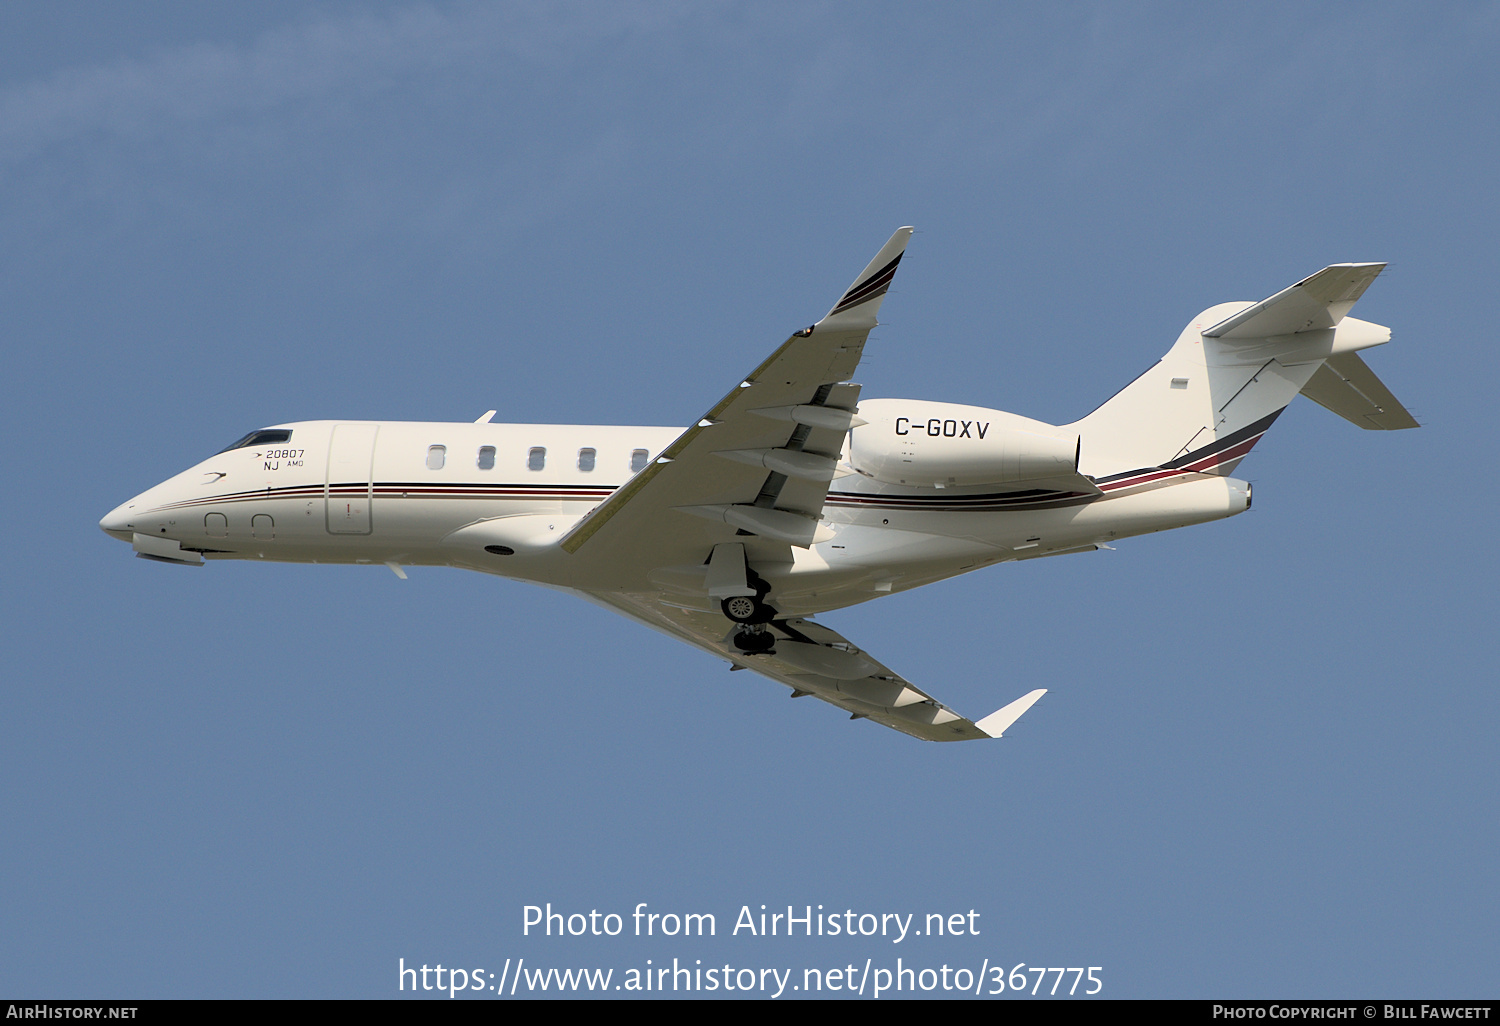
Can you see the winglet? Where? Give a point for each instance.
(997, 722)
(860, 303)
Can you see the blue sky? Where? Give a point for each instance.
(1266, 766)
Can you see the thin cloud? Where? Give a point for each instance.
(304, 64)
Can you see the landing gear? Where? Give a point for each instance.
(755, 639)
(729, 573)
(747, 609)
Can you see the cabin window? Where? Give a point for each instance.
(436, 456)
(486, 457)
(638, 458)
(216, 525)
(537, 458)
(586, 459)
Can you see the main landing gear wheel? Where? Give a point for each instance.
(755, 640)
(749, 610)
(746, 609)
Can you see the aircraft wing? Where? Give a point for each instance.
(752, 474)
(758, 462)
(815, 661)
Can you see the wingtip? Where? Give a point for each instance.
(999, 721)
(870, 287)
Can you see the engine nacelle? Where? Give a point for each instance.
(941, 445)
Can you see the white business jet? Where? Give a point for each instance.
(791, 496)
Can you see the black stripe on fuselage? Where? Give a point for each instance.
(1034, 498)
(1229, 441)
(407, 489)
(1260, 427)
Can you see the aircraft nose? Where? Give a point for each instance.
(117, 523)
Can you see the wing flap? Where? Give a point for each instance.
(813, 659)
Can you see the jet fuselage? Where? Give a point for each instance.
(498, 497)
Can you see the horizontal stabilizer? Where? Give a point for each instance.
(999, 721)
(1346, 385)
(1320, 301)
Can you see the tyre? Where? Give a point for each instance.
(740, 608)
(748, 609)
(752, 642)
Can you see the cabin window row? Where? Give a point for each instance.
(536, 458)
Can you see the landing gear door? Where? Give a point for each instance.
(350, 484)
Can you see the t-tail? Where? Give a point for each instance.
(1233, 370)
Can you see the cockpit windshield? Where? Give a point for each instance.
(275, 436)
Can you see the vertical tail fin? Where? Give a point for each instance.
(1230, 374)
